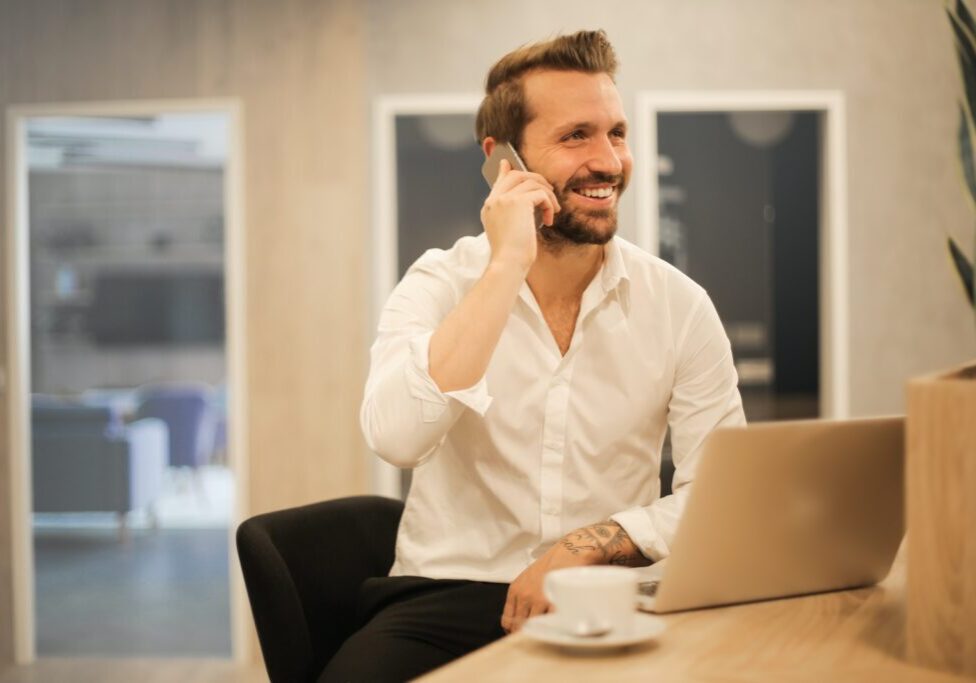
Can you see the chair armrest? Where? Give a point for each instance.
(303, 567)
(148, 441)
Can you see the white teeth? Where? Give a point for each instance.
(597, 193)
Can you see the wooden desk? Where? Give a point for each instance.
(855, 635)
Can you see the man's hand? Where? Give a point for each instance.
(508, 215)
(603, 543)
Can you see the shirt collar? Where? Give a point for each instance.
(613, 270)
(611, 274)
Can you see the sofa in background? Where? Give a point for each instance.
(85, 459)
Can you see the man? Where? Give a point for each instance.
(529, 375)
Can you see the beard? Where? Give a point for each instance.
(582, 226)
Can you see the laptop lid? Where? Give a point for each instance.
(788, 508)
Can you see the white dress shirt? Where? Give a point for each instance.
(544, 443)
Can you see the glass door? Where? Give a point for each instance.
(131, 481)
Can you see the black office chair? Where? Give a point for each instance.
(303, 567)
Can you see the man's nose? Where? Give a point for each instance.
(606, 157)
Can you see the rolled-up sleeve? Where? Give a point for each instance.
(404, 415)
(705, 396)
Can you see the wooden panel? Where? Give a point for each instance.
(941, 488)
(297, 67)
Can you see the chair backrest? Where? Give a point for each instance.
(185, 410)
(303, 567)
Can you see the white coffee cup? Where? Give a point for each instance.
(592, 599)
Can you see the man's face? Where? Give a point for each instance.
(577, 141)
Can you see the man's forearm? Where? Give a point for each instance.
(604, 543)
(463, 344)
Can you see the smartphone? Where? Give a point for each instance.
(503, 150)
(489, 169)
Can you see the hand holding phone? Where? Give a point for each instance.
(520, 200)
(492, 166)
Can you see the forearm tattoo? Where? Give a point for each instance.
(608, 541)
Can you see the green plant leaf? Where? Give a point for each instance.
(964, 268)
(966, 52)
(966, 152)
(966, 18)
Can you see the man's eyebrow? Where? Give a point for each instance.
(575, 125)
(589, 125)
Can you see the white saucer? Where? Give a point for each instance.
(545, 628)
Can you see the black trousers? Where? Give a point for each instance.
(411, 625)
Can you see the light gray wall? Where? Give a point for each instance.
(893, 61)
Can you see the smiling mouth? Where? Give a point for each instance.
(596, 192)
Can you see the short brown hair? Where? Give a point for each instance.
(503, 113)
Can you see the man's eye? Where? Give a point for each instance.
(575, 135)
(619, 133)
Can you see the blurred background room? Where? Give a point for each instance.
(206, 202)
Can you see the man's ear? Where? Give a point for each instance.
(488, 145)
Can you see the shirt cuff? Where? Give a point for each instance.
(638, 525)
(423, 387)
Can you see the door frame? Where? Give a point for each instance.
(385, 477)
(833, 270)
(17, 361)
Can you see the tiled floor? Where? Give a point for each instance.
(162, 593)
(158, 594)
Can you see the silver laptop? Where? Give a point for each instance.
(785, 508)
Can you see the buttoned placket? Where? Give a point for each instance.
(555, 420)
(554, 452)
